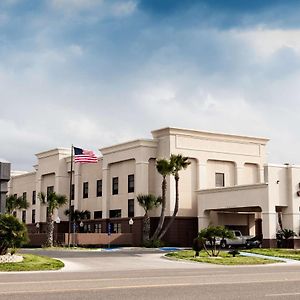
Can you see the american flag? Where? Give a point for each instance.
(84, 156)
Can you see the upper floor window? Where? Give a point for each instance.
(33, 216)
(130, 183)
(33, 197)
(24, 195)
(220, 180)
(24, 216)
(99, 188)
(85, 190)
(50, 189)
(115, 213)
(98, 214)
(131, 208)
(115, 185)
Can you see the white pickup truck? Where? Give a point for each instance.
(239, 240)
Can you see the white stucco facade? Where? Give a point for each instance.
(250, 189)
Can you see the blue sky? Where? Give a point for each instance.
(98, 72)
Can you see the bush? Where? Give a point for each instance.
(197, 245)
(13, 233)
(153, 244)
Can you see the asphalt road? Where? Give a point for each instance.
(142, 274)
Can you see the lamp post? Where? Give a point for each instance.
(57, 221)
(37, 225)
(130, 222)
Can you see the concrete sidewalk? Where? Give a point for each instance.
(286, 260)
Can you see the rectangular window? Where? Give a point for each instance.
(115, 185)
(131, 183)
(33, 216)
(24, 216)
(87, 228)
(50, 189)
(115, 213)
(220, 181)
(117, 228)
(130, 208)
(98, 214)
(15, 214)
(24, 195)
(73, 192)
(98, 228)
(99, 188)
(85, 190)
(33, 197)
(15, 195)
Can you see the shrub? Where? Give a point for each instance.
(153, 243)
(13, 233)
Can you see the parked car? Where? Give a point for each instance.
(239, 240)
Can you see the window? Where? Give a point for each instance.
(131, 183)
(115, 213)
(117, 228)
(98, 214)
(85, 190)
(98, 228)
(115, 186)
(15, 214)
(33, 216)
(33, 197)
(15, 195)
(87, 228)
(24, 216)
(220, 181)
(24, 195)
(73, 192)
(99, 188)
(50, 189)
(131, 208)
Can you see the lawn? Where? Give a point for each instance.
(33, 263)
(223, 259)
(283, 253)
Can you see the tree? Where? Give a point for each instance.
(147, 202)
(53, 201)
(78, 215)
(13, 202)
(13, 233)
(178, 163)
(164, 168)
(210, 236)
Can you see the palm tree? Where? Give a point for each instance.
(164, 168)
(78, 215)
(147, 202)
(178, 163)
(13, 202)
(53, 201)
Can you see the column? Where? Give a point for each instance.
(269, 222)
(202, 175)
(203, 220)
(141, 184)
(39, 214)
(105, 191)
(76, 180)
(239, 168)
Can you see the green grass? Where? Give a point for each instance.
(283, 253)
(223, 259)
(33, 263)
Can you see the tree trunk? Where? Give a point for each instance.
(163, 209)
(50, 230)
(146, 228)
(175, 208)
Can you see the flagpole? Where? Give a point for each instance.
(70, 196)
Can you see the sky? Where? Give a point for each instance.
(94, 73)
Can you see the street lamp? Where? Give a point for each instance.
(130, 222)
(57, 221)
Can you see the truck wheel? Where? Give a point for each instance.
(223, 244)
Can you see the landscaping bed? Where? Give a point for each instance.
(32, 263)
(282, 253)
(223, 259)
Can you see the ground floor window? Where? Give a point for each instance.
(97, 228)
(117, 228)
